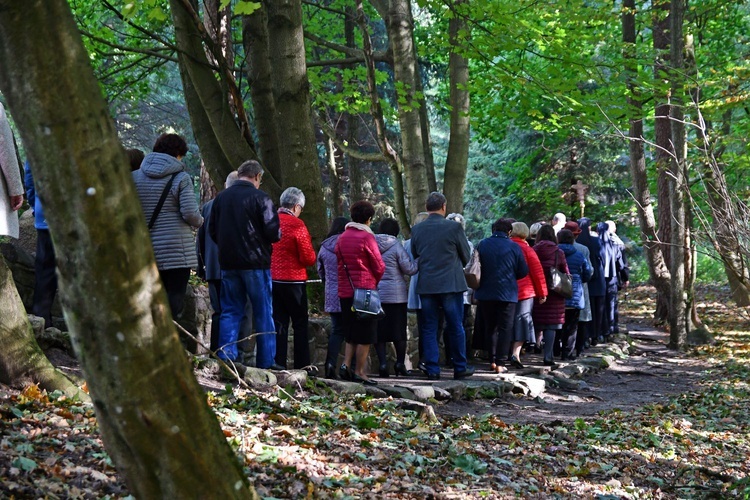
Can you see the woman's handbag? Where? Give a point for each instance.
(473, 270)
(561, 283)
(366, 301)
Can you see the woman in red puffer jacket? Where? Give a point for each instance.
(360, 266)
(532, 285)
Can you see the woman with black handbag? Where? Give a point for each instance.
(549, 316)
(360, 269)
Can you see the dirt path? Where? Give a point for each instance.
(651, 374)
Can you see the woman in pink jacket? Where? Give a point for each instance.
(360, 266)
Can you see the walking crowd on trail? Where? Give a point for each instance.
(551, 288)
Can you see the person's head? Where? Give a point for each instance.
(565, 236)
(293, 199)
(559, 219)
(584, 223)
(231, 179)
(602, 228)
(457, 218)
(337, 226)
(612, 226)
(251, 171)
(135, 157)
(534, 229)
(503, 225)
(435, 203)
(362, 212)
(389, 226)
(421, 217)
(572, 226)
(520, 230)
(546, 232)
(171, 144)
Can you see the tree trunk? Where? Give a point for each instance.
(454, 179)
(223, 144)
(377, 114)
(21, 359)
(662, 154)
(152, 414)
(255, 41)
(291, 92)
(333, 175)
(355, 166)
(680, 297)
(654, 256)
(400, 34)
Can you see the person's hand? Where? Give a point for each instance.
(16, 202)
(625, 285)
(543, 300)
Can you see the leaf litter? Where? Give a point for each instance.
(690, 441)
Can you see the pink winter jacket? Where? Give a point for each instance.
(359, 250)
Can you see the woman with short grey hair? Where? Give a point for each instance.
(292, 197)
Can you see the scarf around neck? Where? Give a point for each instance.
(361, 227)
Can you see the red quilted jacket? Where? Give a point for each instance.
(360, 251)
(294, 252)
(533, 284)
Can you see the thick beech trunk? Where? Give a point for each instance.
(399, 24)
(152, 414)
(680, 322)
(223, 144)
(456, 163)
(255, 41)
(654, 256)
(662, 153)
(21, 359)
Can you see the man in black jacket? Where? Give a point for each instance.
(443, 251)
(244, 223)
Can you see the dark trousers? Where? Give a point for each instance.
(610, 311)
(45, 286)
(568, 335)
(498, 322)
(175, 283)
(214, 294)
(290, 303)
(335, 339)
(597, 323)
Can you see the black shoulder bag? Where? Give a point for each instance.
(561, 283)
(161, 201)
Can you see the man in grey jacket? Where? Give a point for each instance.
(443, 251)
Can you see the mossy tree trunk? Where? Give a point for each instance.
(21, 359)
(153, 416)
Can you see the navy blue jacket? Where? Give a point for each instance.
(597, 285)
(578, 266)
(503, 265)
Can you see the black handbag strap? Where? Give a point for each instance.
(161, 200)
(346, 269)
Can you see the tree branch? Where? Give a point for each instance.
(353, 152)
(351, 52)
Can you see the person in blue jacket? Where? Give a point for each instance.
(580, 269)
(597, 286)
(45, 286)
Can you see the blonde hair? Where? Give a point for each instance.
(520, 230)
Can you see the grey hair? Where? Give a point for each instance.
(559, 217)
(231, 179)
(421, 217)
(457, 218)
(520, 230)
(534, 229)
(292, 196)
(250, 169)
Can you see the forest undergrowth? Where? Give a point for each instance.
(311, 443)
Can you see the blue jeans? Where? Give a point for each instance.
(453, 307)
(236, 287)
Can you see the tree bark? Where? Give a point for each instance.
(456, 163)
(333, 175)
(255, 42)
(291, 92)
(223, 144)
(355, 166)
(21, 359)
(152, 414)
(680, 305)
(377, 113)
(662, 154)
(400, 29)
